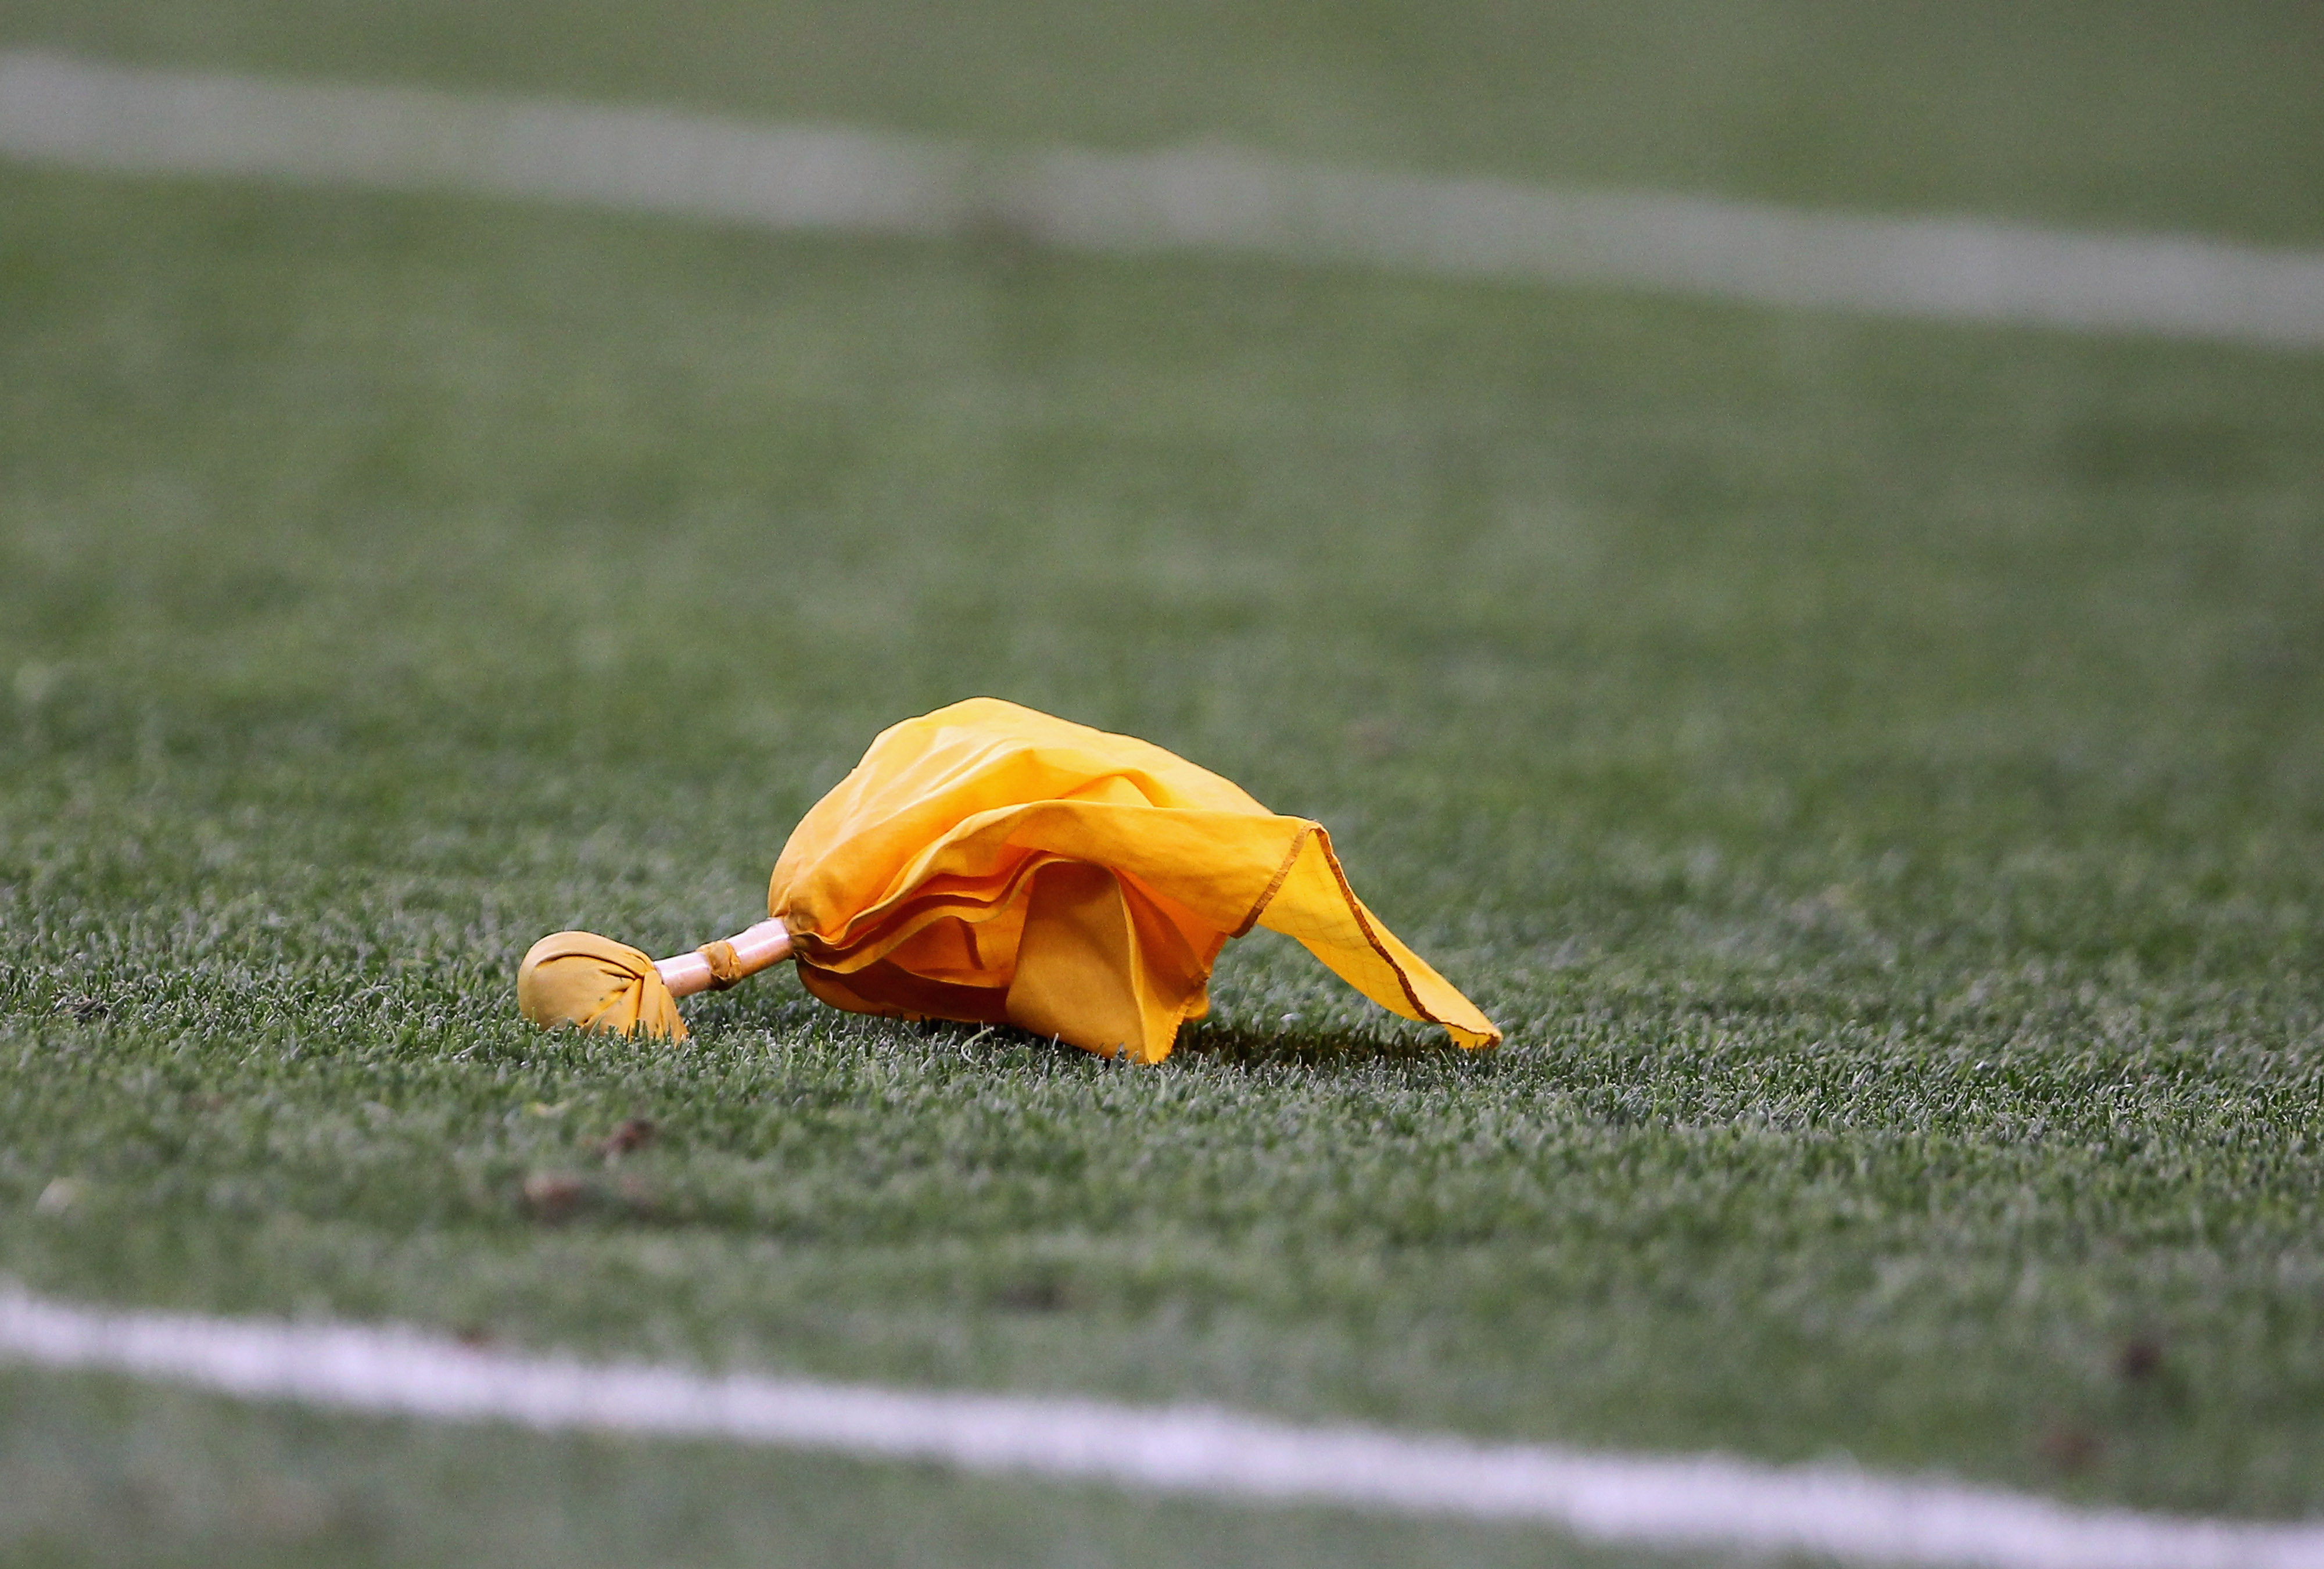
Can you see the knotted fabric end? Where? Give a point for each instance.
(583, 979)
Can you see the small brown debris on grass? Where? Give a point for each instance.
(2139, 1360)
(552, 1195)
(1041, 1294)
(2069, 1447)
(633, 1134)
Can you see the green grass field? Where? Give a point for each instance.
(1875, 772)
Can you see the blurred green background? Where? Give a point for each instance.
(2151, 113)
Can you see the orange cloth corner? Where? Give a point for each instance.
(992, 865)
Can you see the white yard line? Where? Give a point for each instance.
(1706, 1502)
(1205, 199)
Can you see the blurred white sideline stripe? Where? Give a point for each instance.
(1205, 199)
(1706, 1502)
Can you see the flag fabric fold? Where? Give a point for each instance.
(992, 865)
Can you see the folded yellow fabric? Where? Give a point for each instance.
(581, 978)
(990, 864)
